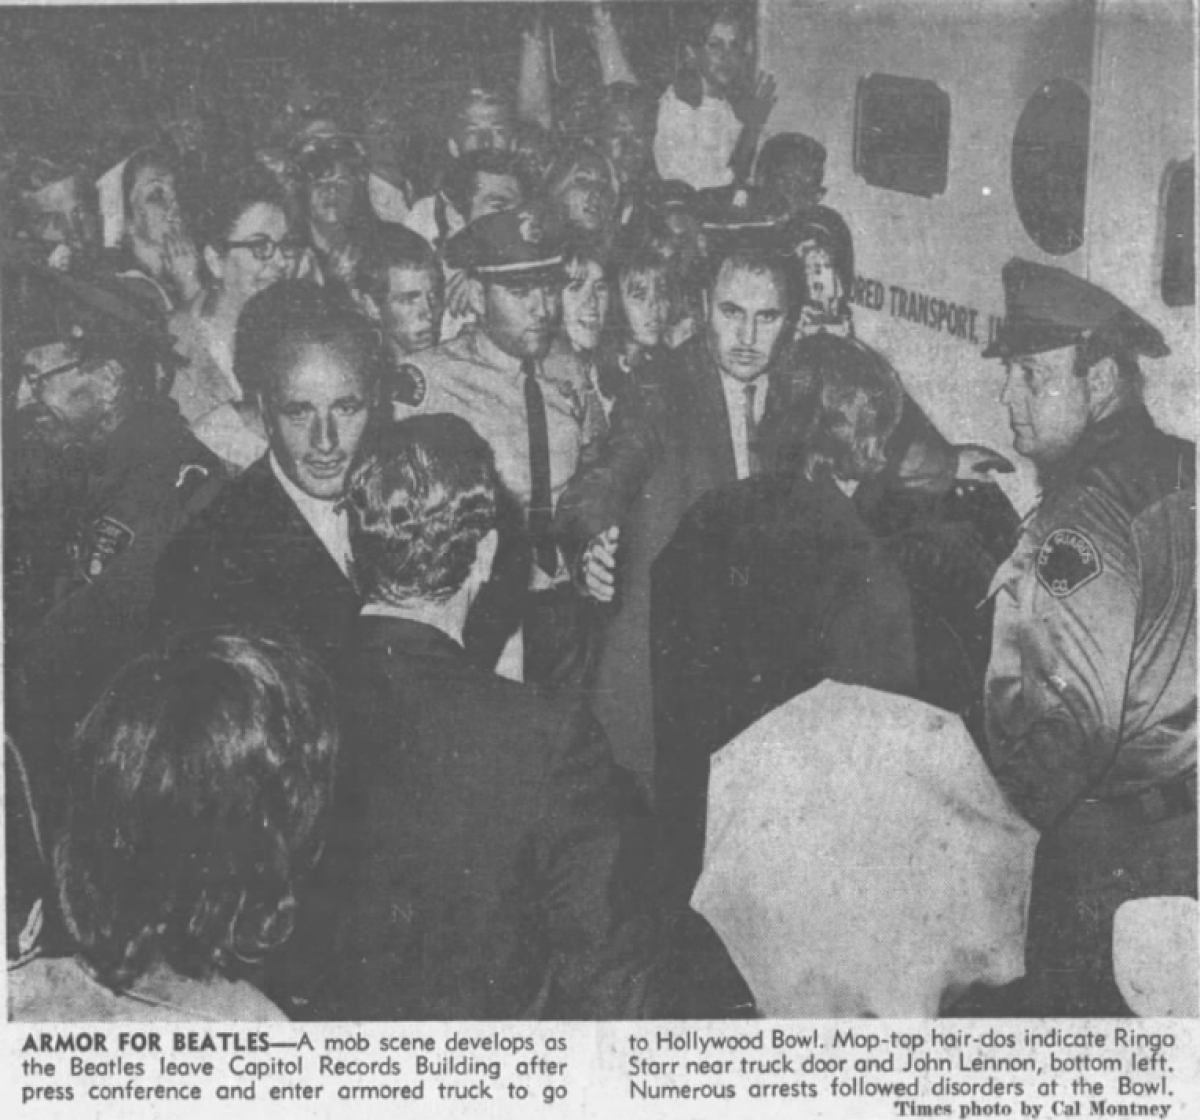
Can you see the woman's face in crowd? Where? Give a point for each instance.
(154, 204)
(494, 193)
(331, 199)
(585, 304)
(240, 272)
(820, 279)
(586, 198)
(646, 306)
(721, 56)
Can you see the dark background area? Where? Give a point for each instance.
(99, 72)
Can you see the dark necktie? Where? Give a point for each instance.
(752, 464)
(541, 503)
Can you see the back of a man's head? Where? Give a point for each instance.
(844, 403)
(421, 499)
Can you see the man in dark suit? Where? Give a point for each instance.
(490, 853)
(822, 567)
(693, 431)
(273, 548)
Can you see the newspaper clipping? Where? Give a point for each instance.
(579, 558)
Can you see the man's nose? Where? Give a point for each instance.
(325, 433)
(748, 332)
(1008, 395)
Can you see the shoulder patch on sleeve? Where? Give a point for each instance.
(1067, 561)
(408, 387)
(106, 539)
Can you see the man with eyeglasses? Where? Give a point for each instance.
(100, 471)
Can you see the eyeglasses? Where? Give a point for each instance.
(264, 249)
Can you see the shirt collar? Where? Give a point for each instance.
(316, 511)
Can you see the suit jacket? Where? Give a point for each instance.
(485, 843)
(670, 443)
(252, 559)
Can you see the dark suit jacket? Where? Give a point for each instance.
(487, 846)
(670, 444)
(251, 559)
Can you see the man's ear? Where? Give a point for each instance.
(475, 297)
(485, 556)
(1103, 385)
(365, 304)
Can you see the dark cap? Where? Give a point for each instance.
(1049, 308)
(741, 218)
(511, 245)
(103, 317)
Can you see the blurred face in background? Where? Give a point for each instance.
(332, 198)
(585, 304)
(61, 213)
(721, 57)
(411, 315)
(646, 302)
(585, 197)
(482, 124)
(494, 193)
(154, 204)
(628, 139)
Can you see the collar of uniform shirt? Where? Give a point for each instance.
(491, 354)
(327, 519)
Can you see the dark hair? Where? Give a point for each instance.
(784, 148)
(291, 314)
(760, 261)
(197, 788)
(393, 246)
(569, 160)
(461, 178)
(423, 495)
(230, 198)
(833, 380)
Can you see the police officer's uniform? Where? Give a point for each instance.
(471, 377)
(1091, 690)
(87, 530)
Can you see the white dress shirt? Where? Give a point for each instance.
(328, 519)
(735, 404)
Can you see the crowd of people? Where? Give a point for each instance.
(381, 573)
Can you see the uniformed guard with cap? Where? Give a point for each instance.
(1091, 690)
(531, 403)
(101, 471)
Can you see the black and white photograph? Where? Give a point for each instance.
(661, 512)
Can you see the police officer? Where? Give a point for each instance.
(532, 403)
(102, 470)
(1091, 690)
